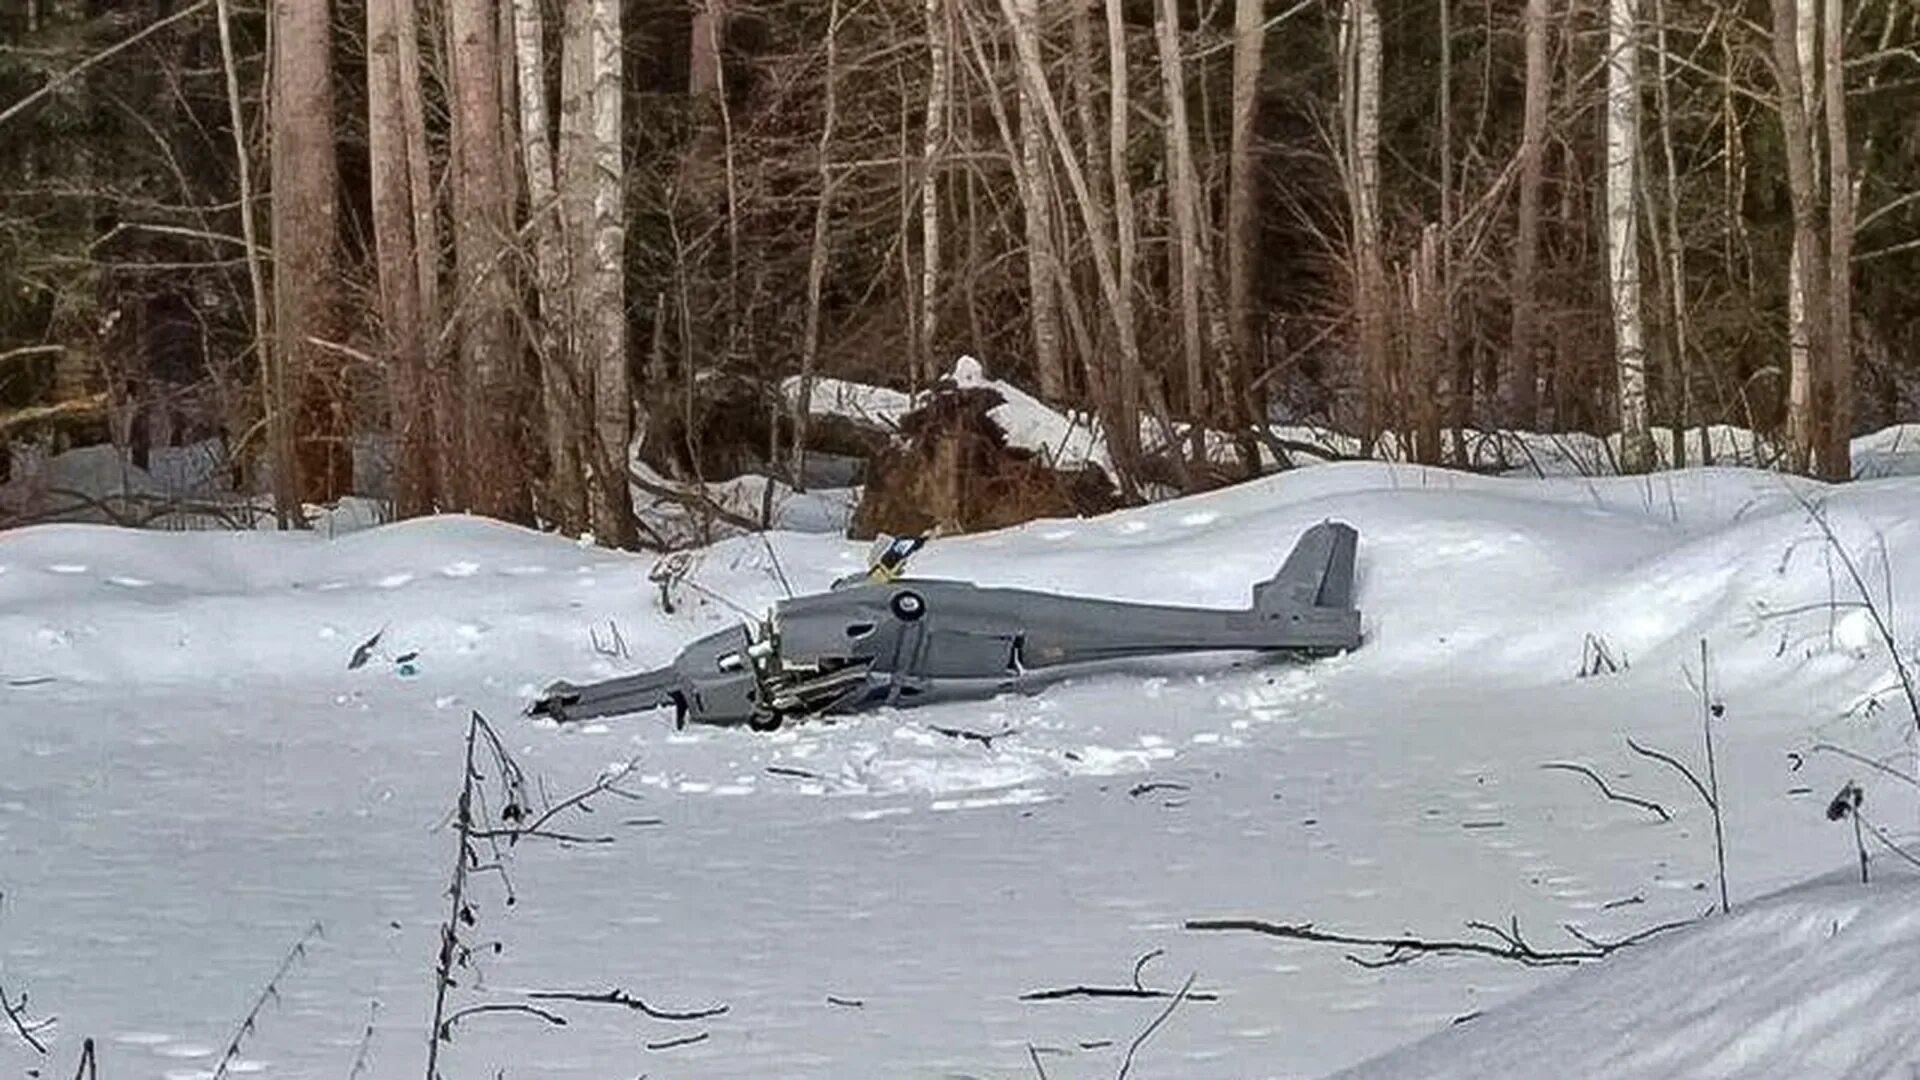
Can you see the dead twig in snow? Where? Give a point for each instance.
(683, 1040)
(1137, 990)
(1508, 942)
(89, 1068)
(1710, 710)
(1140, 1040)
(269, 992)
(446, 1026)
(625, 1000)
(27, 1029)
(1630, 800)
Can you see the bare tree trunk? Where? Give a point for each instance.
(933, 153)
(1623, 231)
(1122, 432)
(1360, 100)
(601, 278)
(1036, 198)
(273, 382)
(1805, 273)
(305, 219)
(1836, 455)
(1181, 197)
(1093, 148)
(1124, 425)
(565, 503)
(404, 331)
(1462, 372)
(817, 252)
(703, 62)
(1243, 200)
(494, 430)
(440, 393)
(1523, 408)
(1676, 254)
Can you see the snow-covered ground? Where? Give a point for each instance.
(196, 776)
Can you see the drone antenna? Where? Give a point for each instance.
(778, 571)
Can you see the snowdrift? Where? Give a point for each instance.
(207, 776)
(1820, 980)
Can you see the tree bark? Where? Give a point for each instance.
(703, 62)
(596, 172)
(1123, 432)
(1360, 101)
(1623, 232)
(1805, 284)
(404, 331)
(440, 395)
(305, 221)
(494, 430)
(1243, 193)
(1676, 256)
(1036, 197)
(1522, 397)
(1181, 200)
(273, 383)
(565, 502)
(817, 251)
(1836, 455)
(933, 152)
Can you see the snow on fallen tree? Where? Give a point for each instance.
(969, 458)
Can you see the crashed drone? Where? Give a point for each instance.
(886, 639)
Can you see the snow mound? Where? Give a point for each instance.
(1819, 980)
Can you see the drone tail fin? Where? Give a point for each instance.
(1318, 573)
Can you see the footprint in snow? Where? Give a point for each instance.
(524, 571)
(1131, 527)
(126, 582)
(1199, 518)
(1058, 534)
(460, 569)
(394, 581)
(67, 568)
(184, 1050)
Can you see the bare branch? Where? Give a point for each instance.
(1644, 804)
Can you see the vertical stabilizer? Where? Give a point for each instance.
(1318, 572)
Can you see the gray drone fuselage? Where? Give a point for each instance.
(912, 641)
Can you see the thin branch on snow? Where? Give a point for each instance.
(1630, 800)
(1140, 1040)
(446, 1025)
(27, 1029)
(1508, 942)
(620, 997)
(1137, 990)
(269, 992)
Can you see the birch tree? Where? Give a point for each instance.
(933, 150)
(1623, 233)
(565, 502)
(1360, 110)
(595, 177)
(1793, 22)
